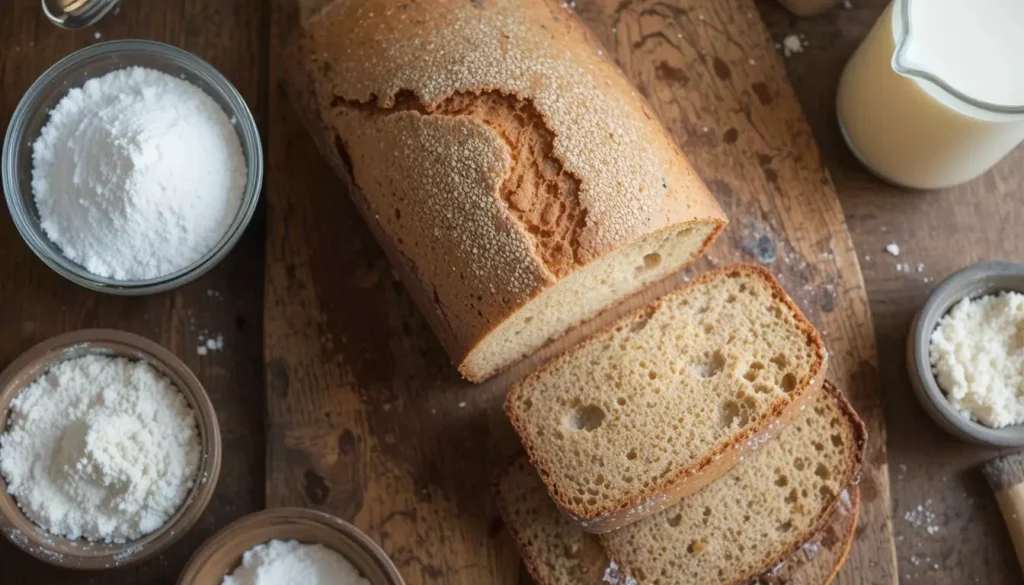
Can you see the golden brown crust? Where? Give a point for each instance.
(391, 93)
(691, 478)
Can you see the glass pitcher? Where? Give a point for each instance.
(909, 125)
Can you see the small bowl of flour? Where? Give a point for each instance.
(281, 546)
(132, 167)
(965, 354)
(109, 450)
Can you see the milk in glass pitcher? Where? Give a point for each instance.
(934, 95)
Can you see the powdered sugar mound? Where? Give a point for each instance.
(282, 562)
(100, 448)
(137, 174)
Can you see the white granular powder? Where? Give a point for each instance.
(137, 174)
(977, 354)
(293, 563)
(100, 448)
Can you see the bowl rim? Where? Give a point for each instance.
(259, 519)
(245, 126)
(49, 352)
(922, 379)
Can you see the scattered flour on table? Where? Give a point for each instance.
(290, 562)
(100, 448)
(977, 354)
(137, 174)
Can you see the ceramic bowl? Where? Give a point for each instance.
(979, 280)
(81, 554)
(222, 553)
(74, 70)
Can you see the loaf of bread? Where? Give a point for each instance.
(514, 177)
(556, 551)
(759, 513)
(669, 398)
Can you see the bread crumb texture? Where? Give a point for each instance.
(758, 513)
(643, 405)
(500, 152)
(556, 551)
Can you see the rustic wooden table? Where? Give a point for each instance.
(947, 527)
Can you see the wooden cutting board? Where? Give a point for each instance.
(367, 418)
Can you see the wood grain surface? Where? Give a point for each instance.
(36, 303)
(367, 418)
(947, 525)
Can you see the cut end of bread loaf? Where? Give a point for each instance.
(756, 515)
(586, 292)
(669, 398)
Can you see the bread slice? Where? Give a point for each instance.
(513, 175)
(758, 514)
(669, 398)
(556, 551)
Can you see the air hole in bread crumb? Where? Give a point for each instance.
(585, 418)
(785, 526)
(701, 310)
(707, 511)
(753, 371)
(620, 401)
(528, 320)
(711, 365)
(708, 328)
(731, 412)
(675, 520)
(782, 481)
(652, 260)
(632, 455)
(792, 497)
(600, 479)
(731, 298)
(826, 492)
(799, 464)
(789, 382)
(822, 471)
(780, 360)
(527, 404)
(763, 389)
(696, 547)
(819, 446)
(652, 375)
(837, 440)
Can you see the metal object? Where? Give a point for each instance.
(72, 14)
(974, 281)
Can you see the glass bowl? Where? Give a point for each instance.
(73, 71)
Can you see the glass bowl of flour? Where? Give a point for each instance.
(132, 167)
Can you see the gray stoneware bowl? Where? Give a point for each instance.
(974, 281)
(73, 71)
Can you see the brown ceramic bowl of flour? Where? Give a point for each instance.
(223, 552)
(83, 554)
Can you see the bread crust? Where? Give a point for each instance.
(368, 76)
(689, 479)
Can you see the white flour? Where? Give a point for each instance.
(100, 448)
(977, 354)
(292, 563)
(137, 174)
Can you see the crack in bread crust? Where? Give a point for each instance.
(539, 193)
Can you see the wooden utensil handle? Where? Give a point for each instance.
(1011, 503)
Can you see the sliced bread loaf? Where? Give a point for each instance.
(511, 172)
(759, 513)
(669, 398)
(556, 551)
